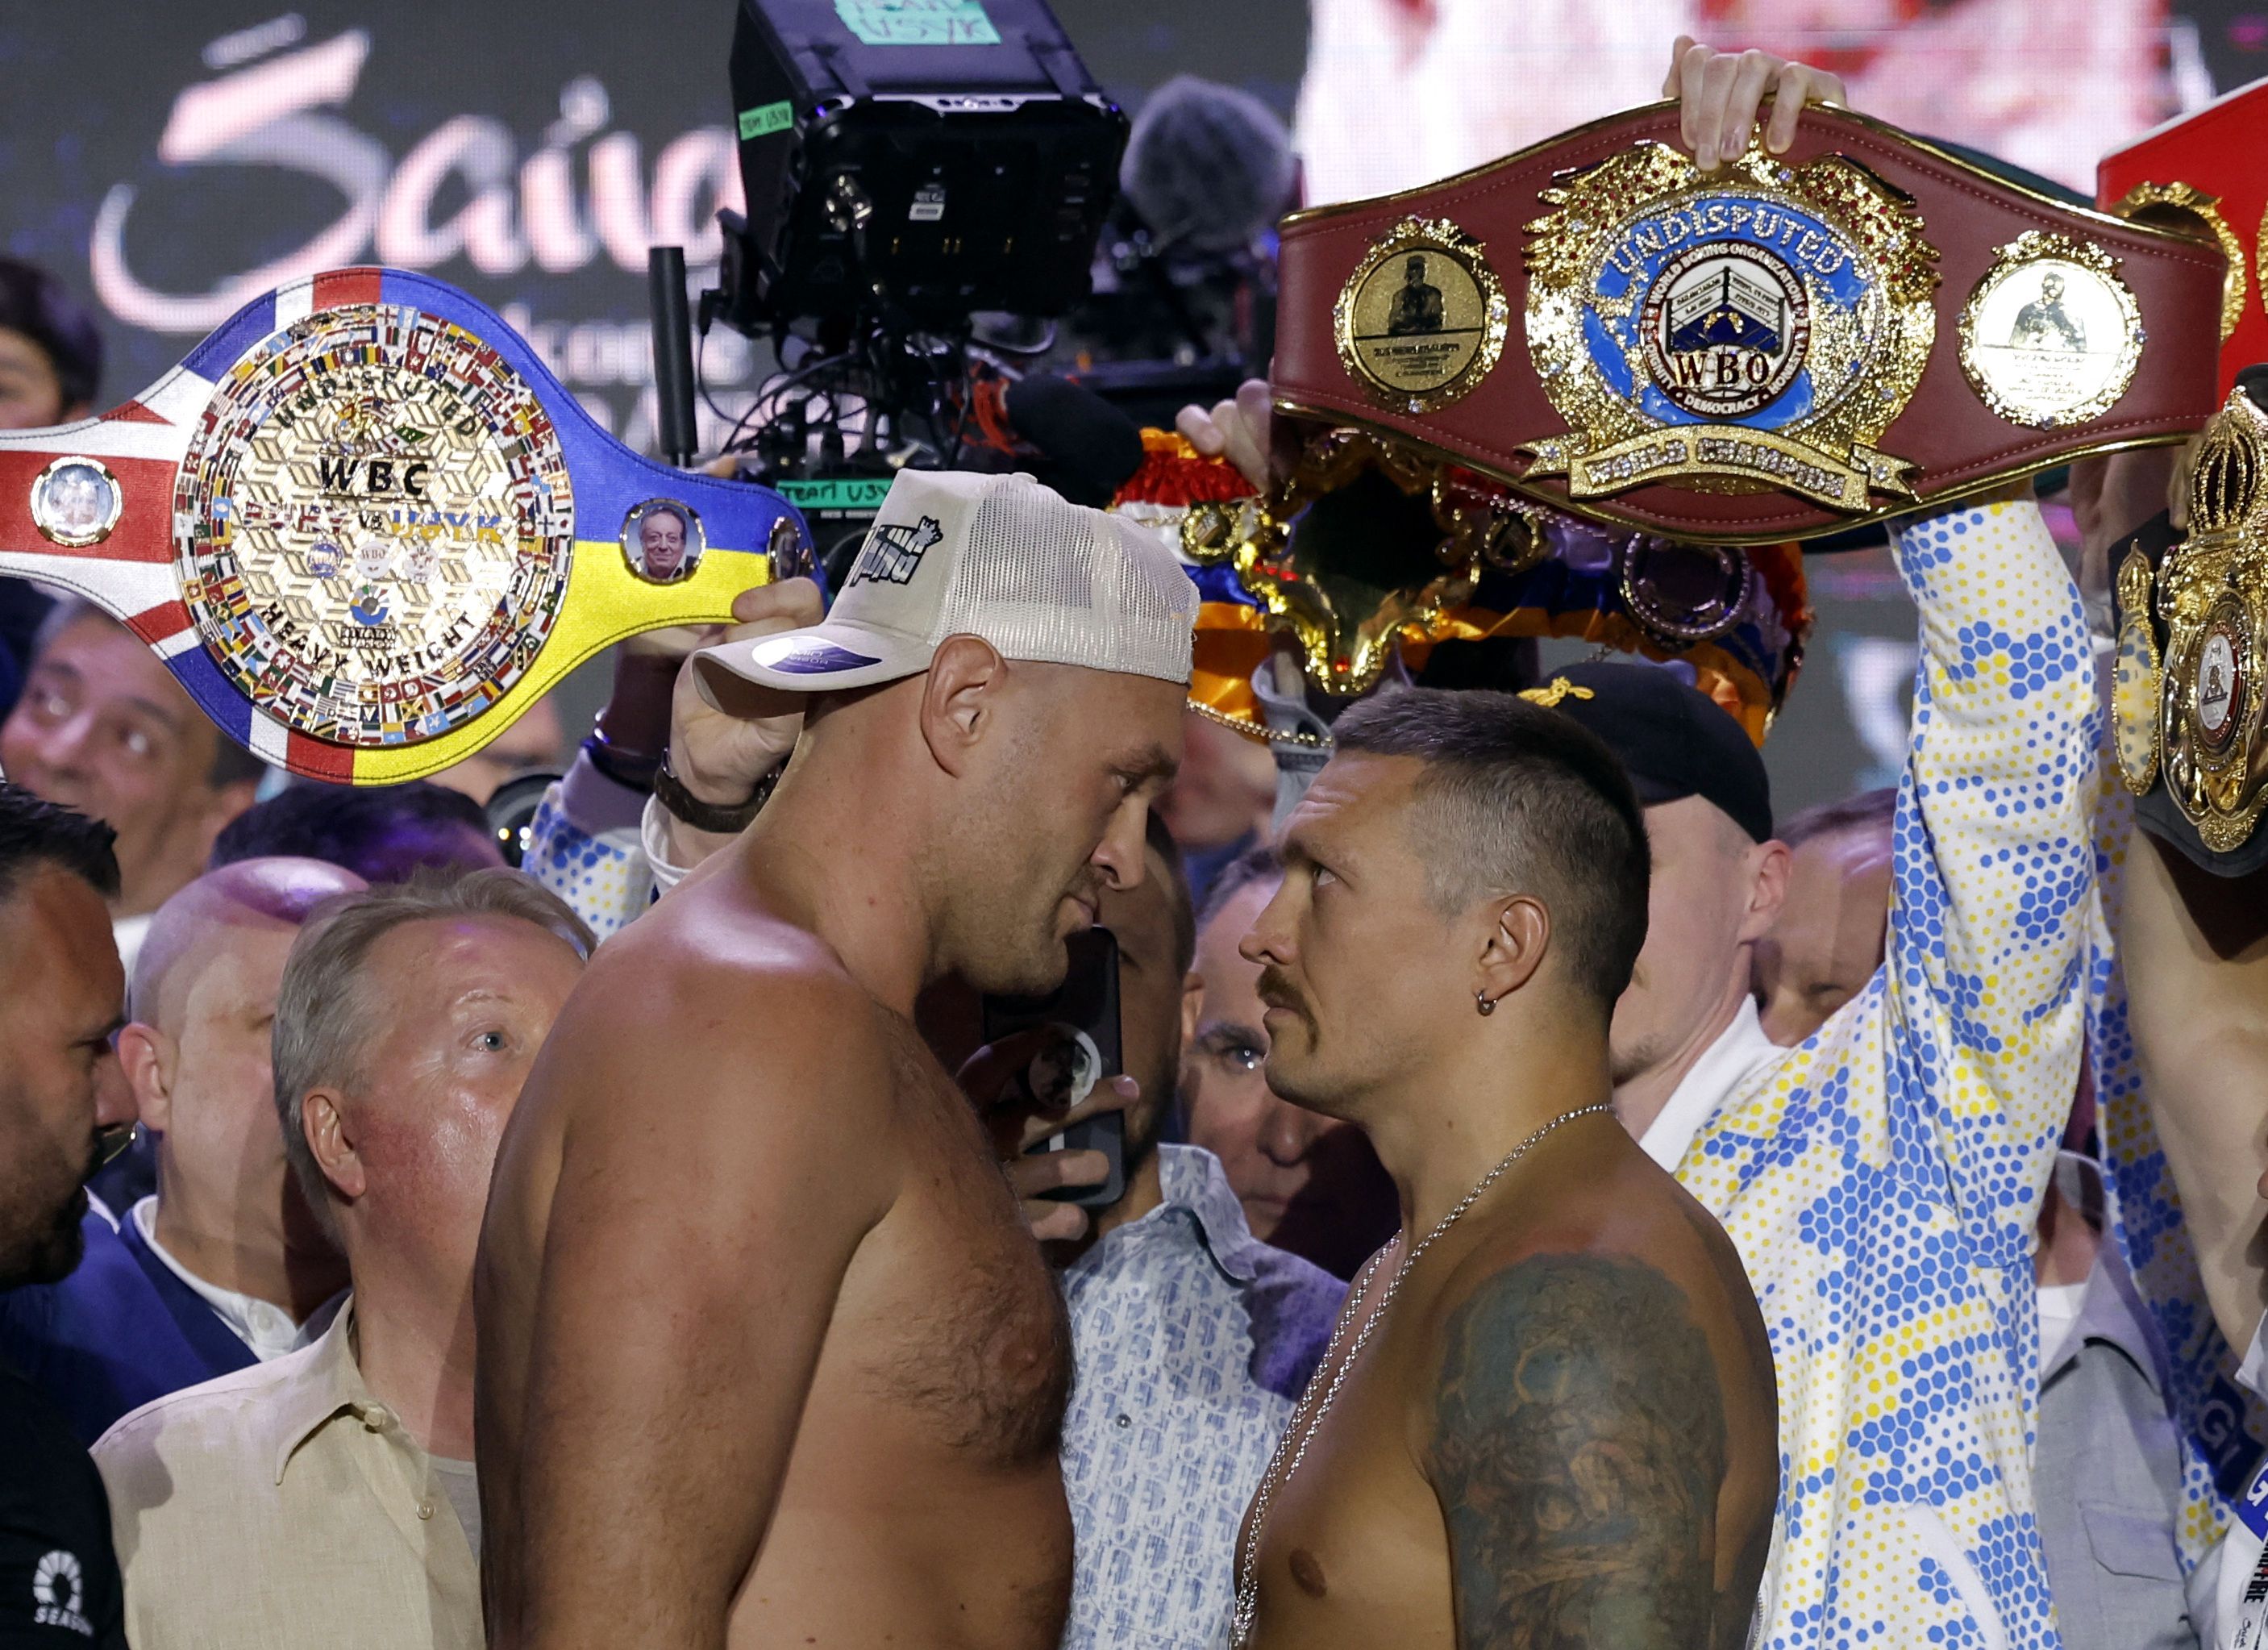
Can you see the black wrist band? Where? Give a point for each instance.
(631, 770)
(670, 791)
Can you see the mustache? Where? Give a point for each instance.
(1278, 992)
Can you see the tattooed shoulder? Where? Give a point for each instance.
(1578, 1449)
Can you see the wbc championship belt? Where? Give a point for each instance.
(365, 528)
(1783, 348)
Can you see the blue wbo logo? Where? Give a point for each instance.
(1767, 325)
(1730, 308)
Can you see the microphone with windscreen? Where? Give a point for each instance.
(1208, 167)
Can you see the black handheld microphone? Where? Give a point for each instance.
(673, 355)
(1093, 447)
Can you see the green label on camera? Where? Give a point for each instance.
(853, 493)
(919, 22)
(773, 117)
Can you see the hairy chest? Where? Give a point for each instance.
(967, 1334)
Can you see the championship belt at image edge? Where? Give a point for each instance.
(2190, 693)
(366, 528)
(1781, 349)
(2204, 170)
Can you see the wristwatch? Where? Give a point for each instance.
(718, 820)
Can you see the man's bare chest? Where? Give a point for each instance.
(1353, 1550)
(948, 1311)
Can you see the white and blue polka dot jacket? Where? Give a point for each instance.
(1883, 1180)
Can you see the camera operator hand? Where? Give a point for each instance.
(996, 1080)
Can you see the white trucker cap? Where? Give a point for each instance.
(996, 557)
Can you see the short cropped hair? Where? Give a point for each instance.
(34, 833)
(345, 824)
(322, 1018)
(1516, 798)
(1260, 863)
(1868, 810)
(684, 521)
(35, 304)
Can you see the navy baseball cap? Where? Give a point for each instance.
(1675, 740)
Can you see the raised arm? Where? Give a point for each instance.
(1992, 862)
(584, 844)
(1579, 1445)
(718, 1165)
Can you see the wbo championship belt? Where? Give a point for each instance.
(1781, 349)
(365, 528)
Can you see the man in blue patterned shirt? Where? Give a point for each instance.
(1192, 1339)
(1882, 1182)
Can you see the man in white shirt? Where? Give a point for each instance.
(224, 1266)
(328, 1496)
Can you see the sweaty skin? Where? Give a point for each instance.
(767, 1355)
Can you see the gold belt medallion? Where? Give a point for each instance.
(1422, 320)
(2050, 335)
(2212, 593)
(1755, 328)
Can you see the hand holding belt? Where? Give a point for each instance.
(1776, 350)
(365, 528)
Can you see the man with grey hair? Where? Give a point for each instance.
(665, 542)
(329, 1495)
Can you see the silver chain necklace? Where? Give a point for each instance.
(1308, 1417)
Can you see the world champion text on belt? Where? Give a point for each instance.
(1744, 356)
(1759, 327)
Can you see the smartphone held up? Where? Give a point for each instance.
(1081, 1050)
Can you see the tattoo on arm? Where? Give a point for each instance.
(1578, 1445)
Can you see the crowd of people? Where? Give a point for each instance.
(1554, 1200)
